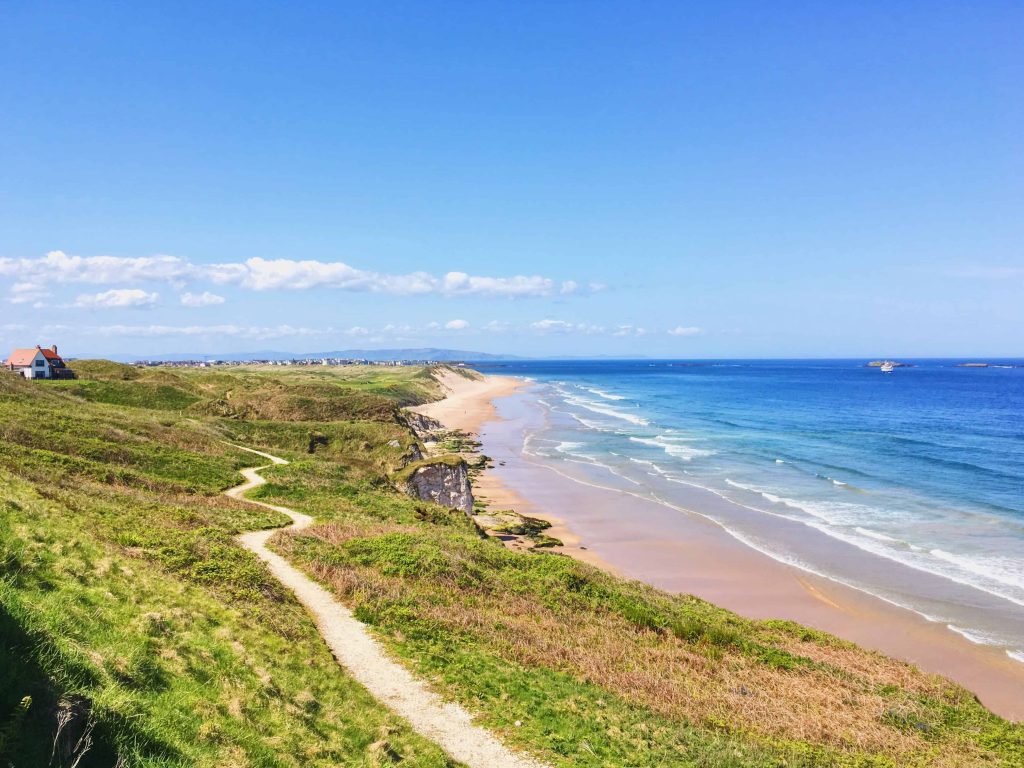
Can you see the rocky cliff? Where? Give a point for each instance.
(422, 426)
(444, 481)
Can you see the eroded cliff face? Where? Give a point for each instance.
(422, 426)
(442, 482)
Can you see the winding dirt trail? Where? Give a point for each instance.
(446, 724)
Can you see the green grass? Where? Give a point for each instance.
(135, 394)
(400, 385)
(125, 601)
(124, 596)
(187, 651)
(599, 671)
(302, 393)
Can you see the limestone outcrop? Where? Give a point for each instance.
(443, 480)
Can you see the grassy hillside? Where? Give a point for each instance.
(127, 609)
(129, 615)
(593, 670)
(258, 392)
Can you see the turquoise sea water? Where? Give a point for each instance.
(909, 485)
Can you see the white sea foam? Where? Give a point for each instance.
(567, 446)
(775, 499)
(644, 462)
(1003, 580)
(602, 393)
(831, 531)
(835, 518)
(974, 577)
(805, 566)
(976, 637)
(1002, 570)
(779, 461)
(592, 462)
(1016, 655)
(876, 535)
(882, 537)
(589, 424)
(605, 410)
(589, 484)
(672, 446)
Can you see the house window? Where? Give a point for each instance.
(39, 363)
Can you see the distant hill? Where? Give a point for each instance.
(424, 353)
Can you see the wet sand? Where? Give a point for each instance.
(681, 552)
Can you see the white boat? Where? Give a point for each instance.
(887, 366)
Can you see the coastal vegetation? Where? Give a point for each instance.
(134, 630)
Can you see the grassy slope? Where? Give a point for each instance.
(599, 671)
(120, 584)
(119, 581)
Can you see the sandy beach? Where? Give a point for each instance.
(687, 553)
(467, 406)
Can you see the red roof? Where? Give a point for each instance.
(24, 357)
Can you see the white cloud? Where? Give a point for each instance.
(561, 326)
(57, 266)
(273, 274)
(286, 274)
(496, 326)
(456, 325)
(685, 330)
(24, 293)
(629, 330)
(240, 331)
(259, 274)
(117, 298)
(204, 299)
(461, 284)
(358, 330)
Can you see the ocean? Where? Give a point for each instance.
(906, 485)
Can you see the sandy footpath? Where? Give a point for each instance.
(447, 724)
(688, 553)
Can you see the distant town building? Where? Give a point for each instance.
(39, 363)
(309, 361)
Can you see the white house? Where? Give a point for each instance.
(39, 363)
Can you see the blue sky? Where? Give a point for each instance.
(671, 179)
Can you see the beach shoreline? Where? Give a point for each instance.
(467, 406)
(685, 552)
